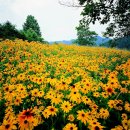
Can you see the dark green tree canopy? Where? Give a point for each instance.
(30, 32)
(8, 31)
(31, 23)
(114, 12)
(105, 10)
(85, 36)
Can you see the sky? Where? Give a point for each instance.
(57, 22)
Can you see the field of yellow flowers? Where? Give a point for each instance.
(61, 87)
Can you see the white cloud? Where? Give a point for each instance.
(57, 22)
(99, 29)
(27, 6)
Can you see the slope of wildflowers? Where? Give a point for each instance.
(61, 87)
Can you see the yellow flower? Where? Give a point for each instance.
(56, 100)
(103, 113)
(104, 95)
(27, 120)
(70, 126)
(97, 127)
(52, 110)
(93, 106)
(124, 116)
(111, 103)
(96, 94)
(20, 88)
(75, 96)
(35, 92)
(26, 124)
(123, 90)
(45, 113)
(109, 90)
(71, 117)
(86, 100)
(8, 88)
(127, 106)
(82, 116)
(66, 106)
(8, 125)
(125, 124)
(17, 101)
(119, 127)
(21, 76)
(49, 95)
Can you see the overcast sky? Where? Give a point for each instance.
(56, 22)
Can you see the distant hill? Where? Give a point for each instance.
(63, 41)
(98, 41)
(101, 40)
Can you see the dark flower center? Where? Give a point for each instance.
(87, 84)
(94, 107)
(112, 83)
(89, 114)
(52, 109)
(73, 86)
(66, 106)
(63, 82)
(118, 105)
(109, 90)
(7, 89)
(97, 128)
(94, 123)
(27, 113)
(7, 126)
(83, 115)
(25, 122)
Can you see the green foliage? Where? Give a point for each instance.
(31, 23)
(118, 43)
(104, 10)
(8, 31)
(85, 36)
(31, 35)
(112, 43)
(2, 108)
(123, 42)
(74, 42)
(31, 30)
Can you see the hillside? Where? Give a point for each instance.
(61, 87)
(68, 42)
(101, 40)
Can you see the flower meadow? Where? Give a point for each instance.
(63, 87)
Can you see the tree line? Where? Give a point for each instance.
(115, 13)
(31, 30)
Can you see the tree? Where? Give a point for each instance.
(8, 31)
(120, 42)
(118, 11)
(31, 35)
(31, 23)
(85, 36)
